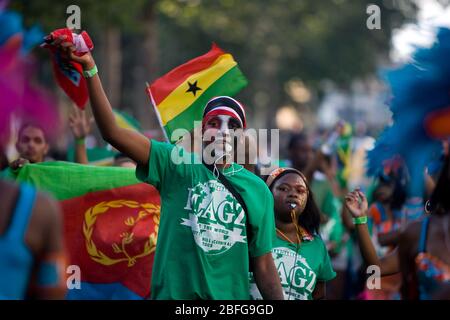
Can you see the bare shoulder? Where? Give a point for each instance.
(47, 208)
(45, 220)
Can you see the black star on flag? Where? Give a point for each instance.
(193, 88)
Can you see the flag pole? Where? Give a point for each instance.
(149, 93)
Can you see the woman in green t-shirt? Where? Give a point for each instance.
(299, 253)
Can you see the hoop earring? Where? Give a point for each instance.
(428, 207)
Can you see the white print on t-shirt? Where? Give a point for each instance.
(216, 218)
(297, 279)
(296, 276)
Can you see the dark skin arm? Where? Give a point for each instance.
(388, 264)
(46, 237)
(80, 153)
(347, 219)
(80, 126)
(356, 204)
(267, 278)
(319, 292)
(133, 144)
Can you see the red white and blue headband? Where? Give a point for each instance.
(225, 105)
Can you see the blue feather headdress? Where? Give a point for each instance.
(420, 108)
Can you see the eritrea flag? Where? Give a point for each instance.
(110, 226)
(180, 95)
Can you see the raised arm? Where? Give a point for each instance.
(133, 144)
(356, 204)
(81, 127)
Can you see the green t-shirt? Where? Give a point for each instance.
(299, 273)
(325, 199)
(329, 205)
(202, 250)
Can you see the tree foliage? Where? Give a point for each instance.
(274, 41)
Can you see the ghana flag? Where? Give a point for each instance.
(110, 226)
(126, 121)
(180, 95)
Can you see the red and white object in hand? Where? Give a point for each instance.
(69, 74)
(82, 41)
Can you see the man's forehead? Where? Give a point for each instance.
(221, 117)
(31, 131)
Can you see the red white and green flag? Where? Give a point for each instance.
(110, 226)
(180, 95)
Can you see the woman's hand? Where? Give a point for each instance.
(19, 163)
(134, 144)
(68, 52)
(79, 123)
(356, 203)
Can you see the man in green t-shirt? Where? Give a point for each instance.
(205, 238)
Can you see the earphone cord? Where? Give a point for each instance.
(216, 172)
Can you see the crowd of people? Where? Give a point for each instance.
(308, 230)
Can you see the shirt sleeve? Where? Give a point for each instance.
(337, 230)
(162, 161)
(262, 229)
(326, 272)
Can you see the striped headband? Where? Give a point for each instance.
(224, 105)
(279, 172)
